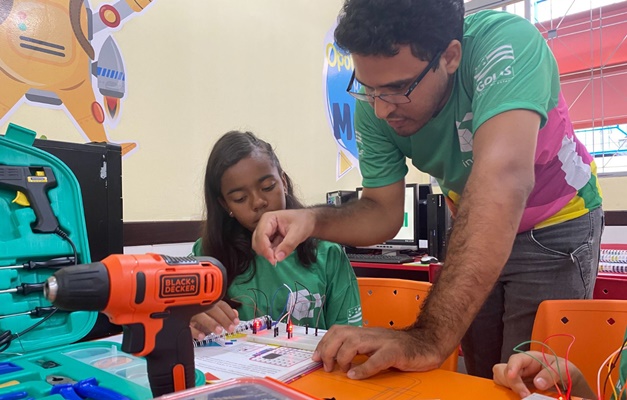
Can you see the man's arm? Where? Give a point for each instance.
(374, 218)
(488, 217)
(489, 214)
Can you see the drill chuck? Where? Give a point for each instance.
(79, 287)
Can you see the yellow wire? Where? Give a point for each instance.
(609, 375)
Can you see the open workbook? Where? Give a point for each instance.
(260, 354)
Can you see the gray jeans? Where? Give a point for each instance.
(557, 262)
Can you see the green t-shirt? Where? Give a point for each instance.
(329, 284)
(506, 65)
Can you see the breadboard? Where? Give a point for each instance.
(302, 338)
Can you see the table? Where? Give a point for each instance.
(419, 272)
(610, 286)
(436, 384)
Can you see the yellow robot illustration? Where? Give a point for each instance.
(47, 58)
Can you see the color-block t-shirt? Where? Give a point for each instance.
(506, 65)
(329, 284)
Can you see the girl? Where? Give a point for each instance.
(315, 284)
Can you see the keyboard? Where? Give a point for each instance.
(380, 258)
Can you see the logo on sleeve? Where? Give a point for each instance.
(354, 315)
(464, 133)
(495, 68)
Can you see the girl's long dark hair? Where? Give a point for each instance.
(224, 237)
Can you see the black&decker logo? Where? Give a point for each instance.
(179, 285)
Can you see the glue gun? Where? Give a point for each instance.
(33, 183)
(154, 298)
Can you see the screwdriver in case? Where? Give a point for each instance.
(26, 288)
(58, 262)
(36, 312)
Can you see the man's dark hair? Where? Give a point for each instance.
(378, 27)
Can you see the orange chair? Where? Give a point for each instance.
(395, 303)
(597, 325)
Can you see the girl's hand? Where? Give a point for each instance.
(215, 320)
(521, 370)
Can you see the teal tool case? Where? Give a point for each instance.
(34, 358)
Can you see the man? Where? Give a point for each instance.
(475, 103)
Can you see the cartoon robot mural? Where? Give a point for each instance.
(340, 106)
(47, 58)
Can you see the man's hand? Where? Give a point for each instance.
(374, 218)
(386, 348)
(278, 233)
(220, 317)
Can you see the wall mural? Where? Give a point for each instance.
(340, 106)
(59, 54)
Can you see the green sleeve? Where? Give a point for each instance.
(197, 248)
(509, 66)
(342, 304)
(381, 161)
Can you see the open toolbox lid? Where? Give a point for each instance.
(20, 244)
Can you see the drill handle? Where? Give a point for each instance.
(171, 364)
(35, 187)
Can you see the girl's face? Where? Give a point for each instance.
(251, 187)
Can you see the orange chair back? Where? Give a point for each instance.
(395, 303)
(597, 325)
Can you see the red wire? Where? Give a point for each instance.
(548, 365)
(568, 377)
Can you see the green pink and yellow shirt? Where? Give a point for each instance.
(506, 65)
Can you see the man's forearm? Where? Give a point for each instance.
(479, 247)
(374, 218)
(358, 223)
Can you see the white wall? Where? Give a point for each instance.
(614, 234)
(170, 249)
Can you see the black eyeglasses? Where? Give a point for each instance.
(393, 98)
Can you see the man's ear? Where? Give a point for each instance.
(452, 56)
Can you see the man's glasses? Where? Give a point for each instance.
(393, 98)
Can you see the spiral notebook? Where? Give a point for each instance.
(613, 261)
(613, 256)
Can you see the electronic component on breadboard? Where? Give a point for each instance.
(292, 336)
(265, 331)
(242, 330)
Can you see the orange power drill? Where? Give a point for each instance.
(153, 297)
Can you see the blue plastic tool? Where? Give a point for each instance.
(21, 395)
(7, 367)
(85, 389)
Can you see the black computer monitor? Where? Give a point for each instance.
(424, 190)
(413, 233)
